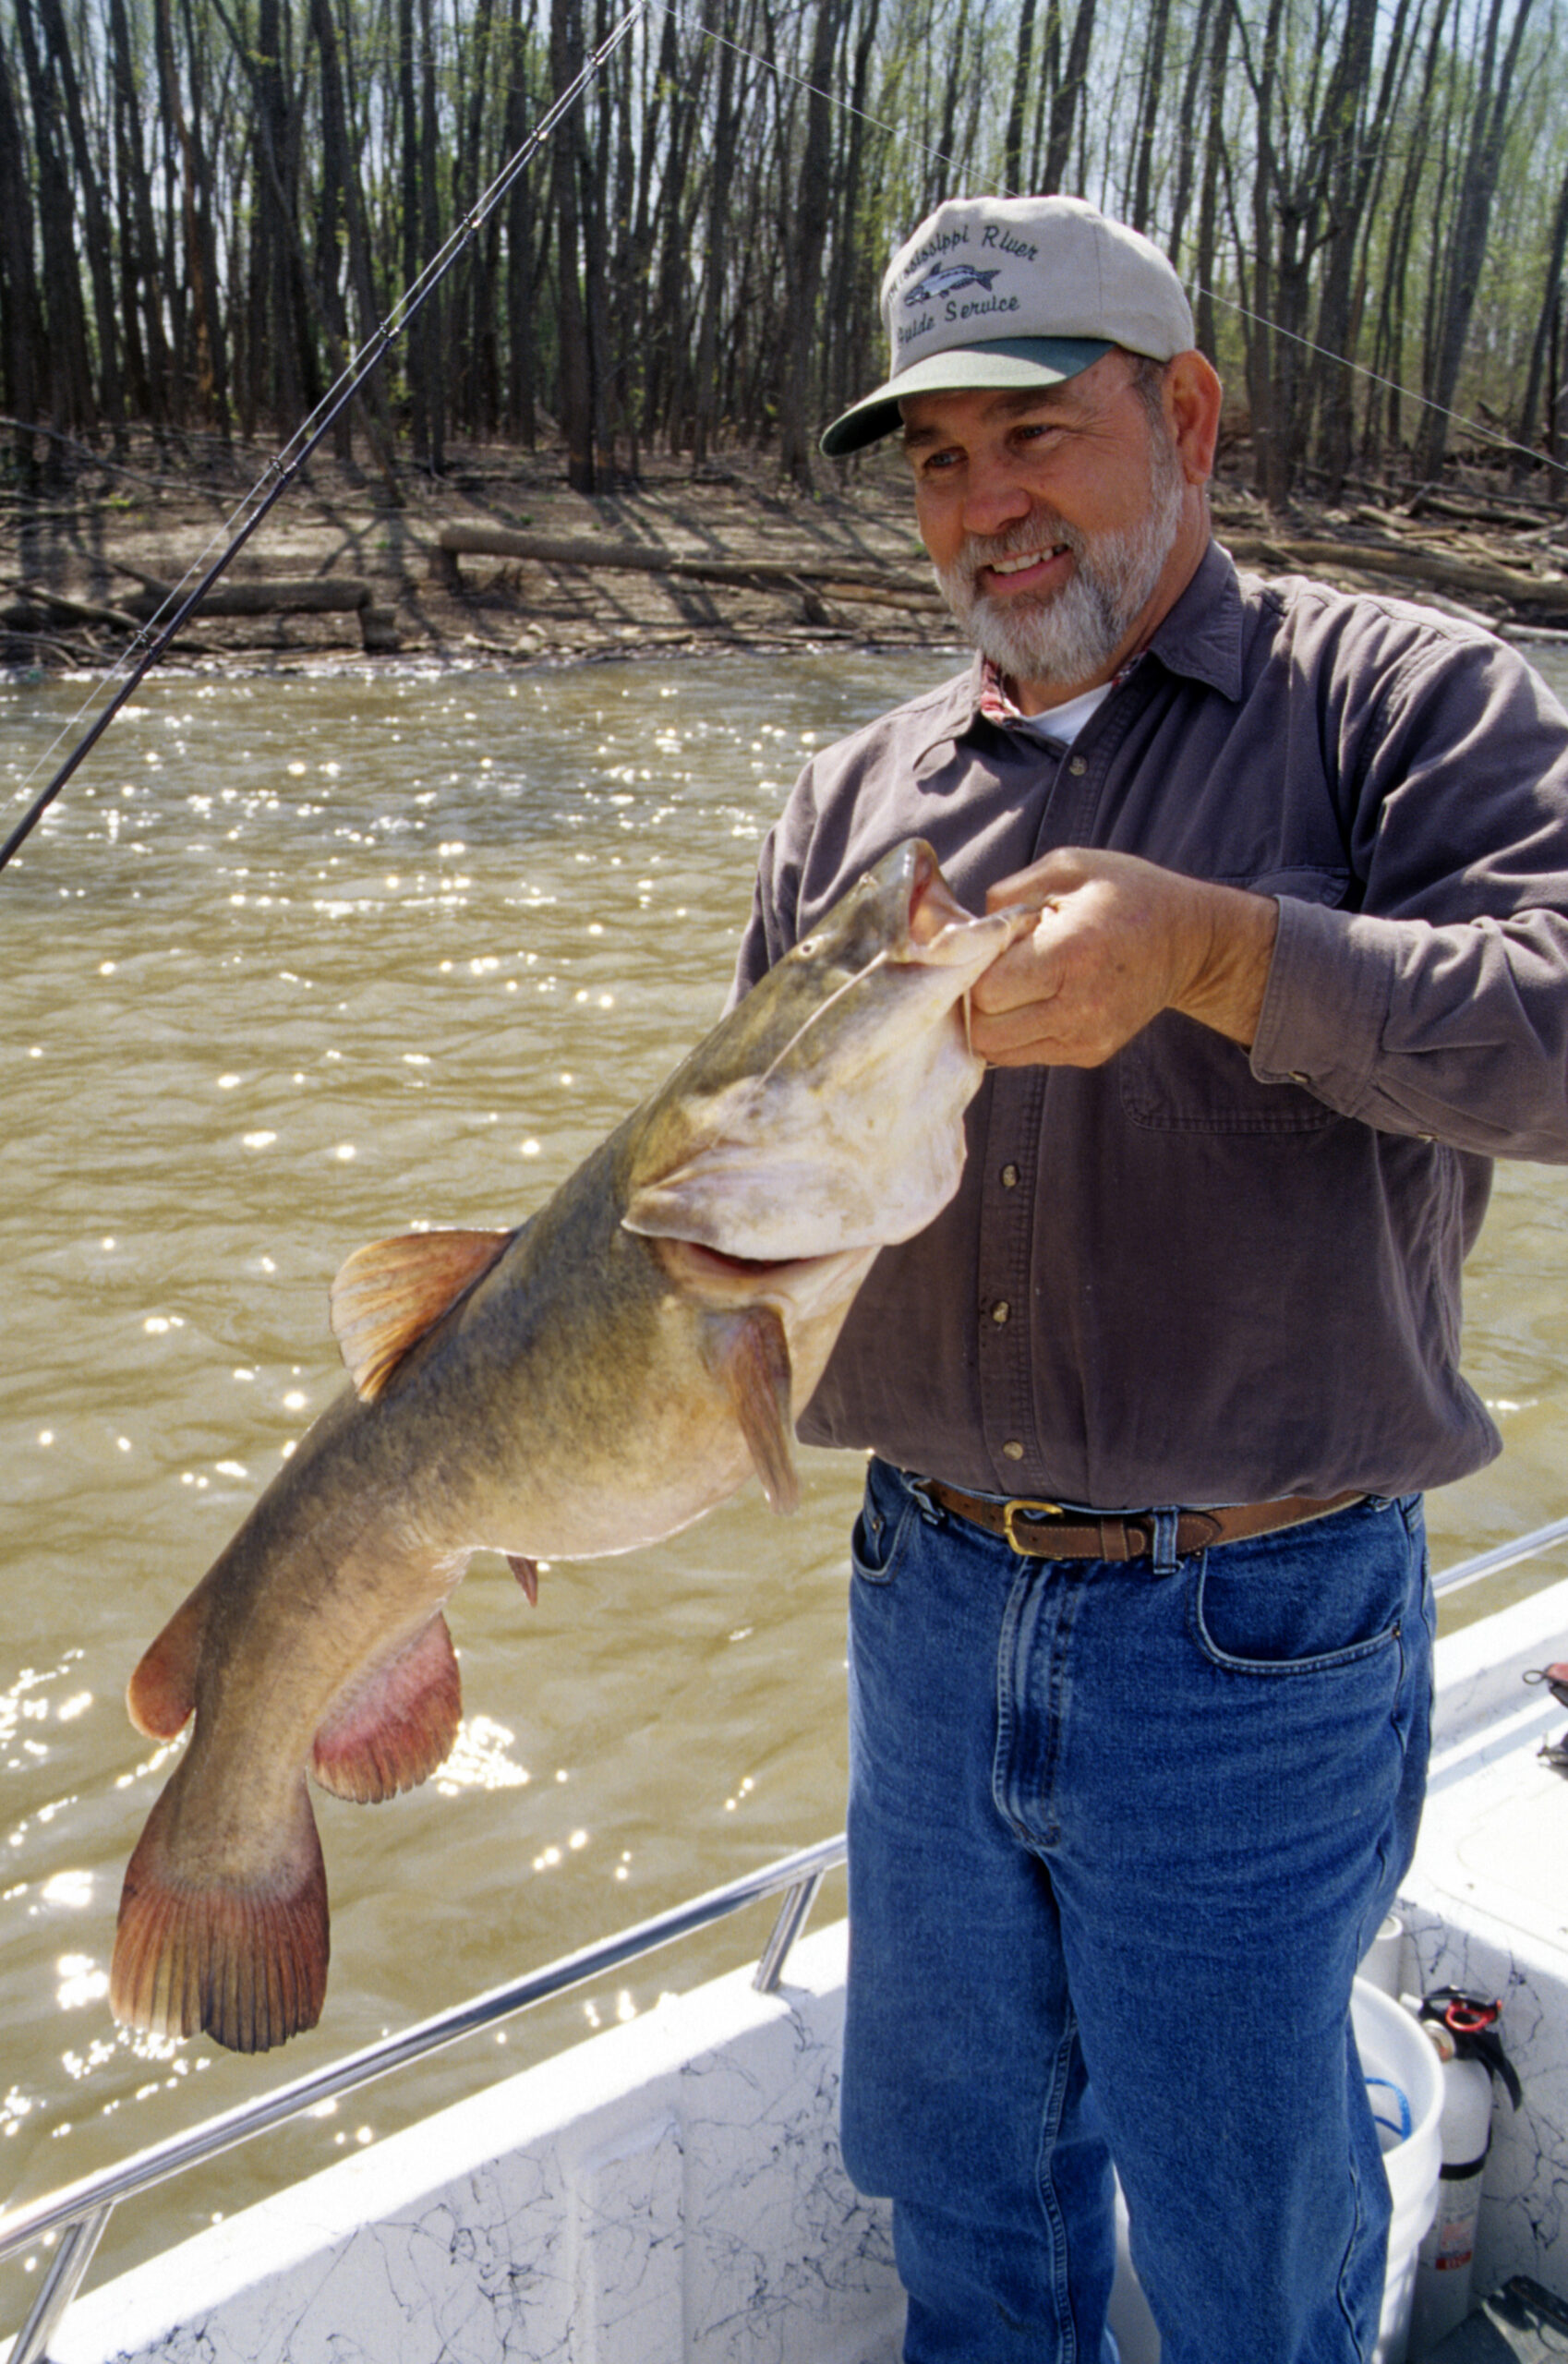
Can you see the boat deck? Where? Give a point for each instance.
(1521, 2324)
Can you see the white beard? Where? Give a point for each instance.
(1065, 637)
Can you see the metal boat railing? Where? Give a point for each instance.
(79, 2211)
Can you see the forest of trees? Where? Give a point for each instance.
(206, 205)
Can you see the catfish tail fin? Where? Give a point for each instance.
(242, 1962)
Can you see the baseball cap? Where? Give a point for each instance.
(1014, 291)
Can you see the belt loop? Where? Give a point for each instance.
(932, 1512)
(1163, 1550)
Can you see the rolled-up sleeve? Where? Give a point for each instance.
(1439, 1006)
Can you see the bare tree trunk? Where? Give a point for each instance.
(1472, 219)
(1208, 200)
(1064, 107)
(1013, 141)
(705, 403)
(70, 370)
(522, 392)
(575, 404)
(803, 259)
(100, 250)
(1268, 454)
(1348, 157)
(338, 172)
(1151, 83)
(1543, 348)
(23, 359)
(1186, 132)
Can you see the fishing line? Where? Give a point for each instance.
(282, 470)
(1491, 436)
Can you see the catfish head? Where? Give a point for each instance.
(823, 1116)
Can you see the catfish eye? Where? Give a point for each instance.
(808, 944)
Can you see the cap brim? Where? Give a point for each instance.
(962, 368)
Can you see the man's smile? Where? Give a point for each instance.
(1023, 570)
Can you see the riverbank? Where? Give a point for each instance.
(337, 570)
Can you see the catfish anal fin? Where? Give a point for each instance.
(161, 1694)
(755, 1365)
(389, 1295)
(396, 1725)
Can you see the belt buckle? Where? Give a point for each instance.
(1020, 1504)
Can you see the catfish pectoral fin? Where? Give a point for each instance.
(390, 1294)
(245, 1964)
(527, 1575)
(752, 1357)
(396, 1725)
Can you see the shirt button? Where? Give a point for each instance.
(1013, 1450)
(1001, 1309)
(1009, 1178)
(1079, 765)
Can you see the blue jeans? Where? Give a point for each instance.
(1118, 1837)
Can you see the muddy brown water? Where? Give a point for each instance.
(299, 960)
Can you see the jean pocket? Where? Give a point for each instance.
(876, 1540)
(1310, 1598)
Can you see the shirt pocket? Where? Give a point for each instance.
(1179, 1076)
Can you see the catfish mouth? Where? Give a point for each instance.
(932, 906)
(802, 1289)
(939, 933)
(692, 1261)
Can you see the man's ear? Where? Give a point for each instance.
(1192, 396)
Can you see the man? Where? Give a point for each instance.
(1140, 1629)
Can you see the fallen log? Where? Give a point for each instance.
(312, 594)
(635, 558)
(1472, 577)
(81, 611)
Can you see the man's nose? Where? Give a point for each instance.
(996, 497)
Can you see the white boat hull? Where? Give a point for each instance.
(671, 2193)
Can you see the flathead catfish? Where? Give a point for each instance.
(588, 1382)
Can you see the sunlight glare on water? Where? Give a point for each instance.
(298, 962)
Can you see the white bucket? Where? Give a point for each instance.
(1405, 2084)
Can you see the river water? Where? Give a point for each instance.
(303, 961)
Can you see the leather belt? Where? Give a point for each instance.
(1045, 1531)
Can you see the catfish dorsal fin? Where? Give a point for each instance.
(389, 1295)
(754, 1361)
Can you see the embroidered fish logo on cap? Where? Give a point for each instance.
(947, 279)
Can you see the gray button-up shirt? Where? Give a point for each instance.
(1193, 1276)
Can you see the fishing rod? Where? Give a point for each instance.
(282, 470)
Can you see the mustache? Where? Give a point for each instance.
(1041, 530)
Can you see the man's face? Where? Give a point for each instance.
(1052, 516)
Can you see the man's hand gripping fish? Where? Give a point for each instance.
(591, 1381)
